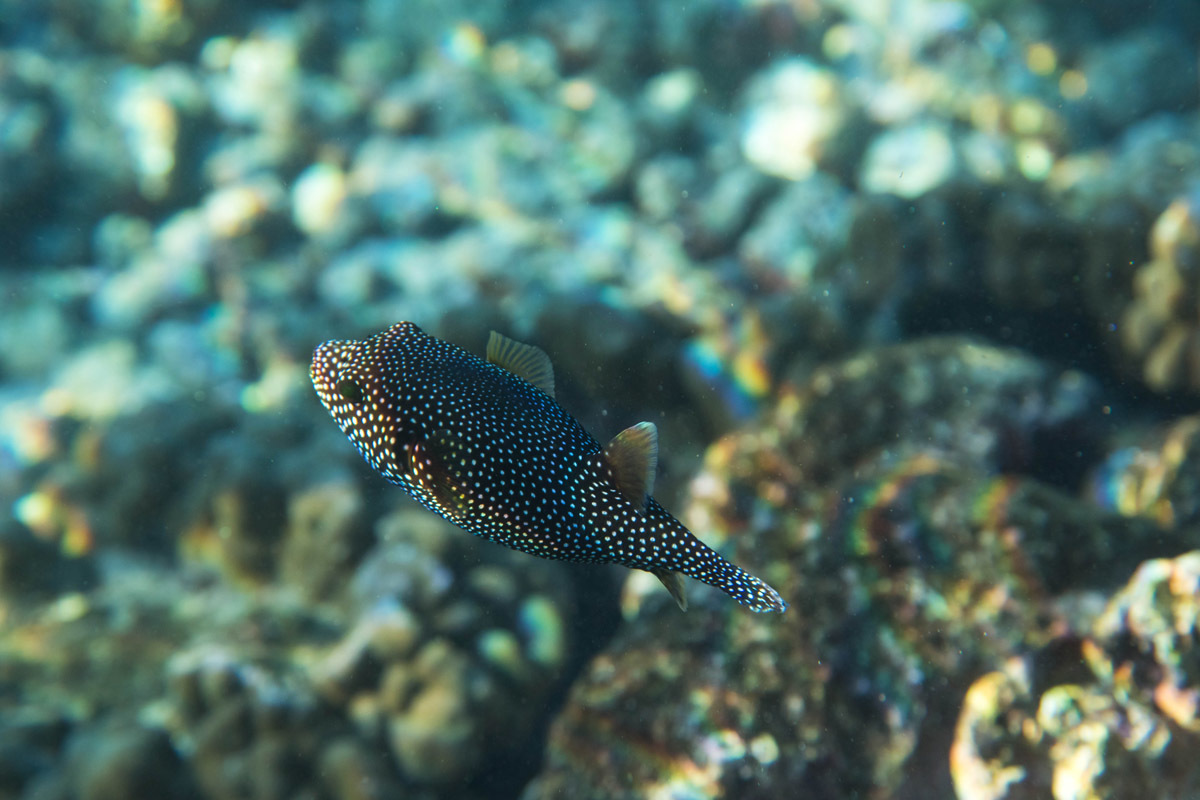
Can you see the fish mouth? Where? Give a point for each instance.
(329, 363)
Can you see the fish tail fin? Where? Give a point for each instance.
(761, 597)
(752, 592)
(681, 552)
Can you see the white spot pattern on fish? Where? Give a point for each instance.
(486, 446)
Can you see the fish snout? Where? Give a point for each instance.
(331, 362)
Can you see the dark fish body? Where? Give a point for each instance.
(487, 447)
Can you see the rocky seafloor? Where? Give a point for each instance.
(911, 290)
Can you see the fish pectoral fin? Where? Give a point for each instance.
(523, 360)
(632, 457)
(674, 583)
(429, 471)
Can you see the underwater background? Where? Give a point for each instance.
(911, 290)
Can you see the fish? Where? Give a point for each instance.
(484, 444)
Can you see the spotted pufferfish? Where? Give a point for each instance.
(485, 445)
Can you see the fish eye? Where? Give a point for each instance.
(349, 390)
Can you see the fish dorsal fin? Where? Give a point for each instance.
(523, 360)
(632, 456)
(674, 583)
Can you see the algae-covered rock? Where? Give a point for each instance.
(251, 734)
(451, 661)
(910, 566)
(1160, 324)
(987, 408)
(1152, 473)
(1124, 725)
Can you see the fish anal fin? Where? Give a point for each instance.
(523, 360)
(674, 583)
(632, 457)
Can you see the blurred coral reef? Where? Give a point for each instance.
(909, 289)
